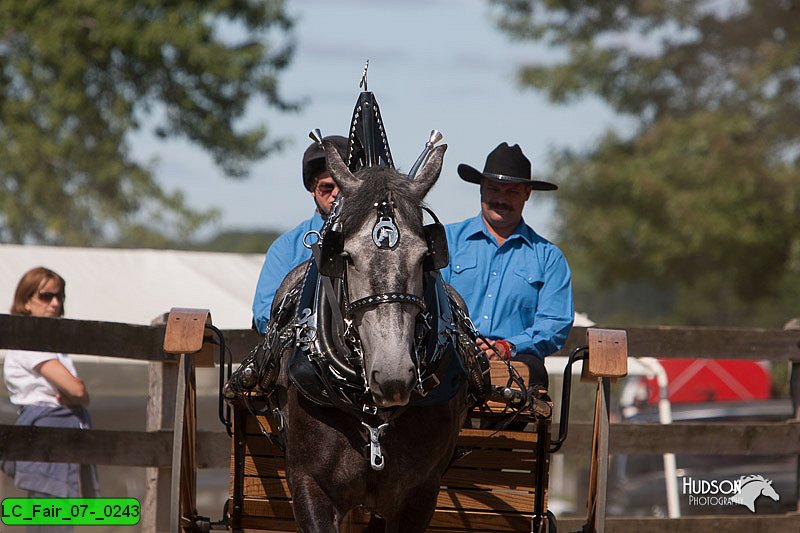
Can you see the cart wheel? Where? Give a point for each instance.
(552, 523)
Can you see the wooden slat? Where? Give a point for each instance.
(518, 501)
(258, 507)
(776, 438)
(488, 479)
(455, 477)
(68, 445)
(649, 341)
(478, 521)
(515, 440)
(498, 459)
(499, 372)
(757, 523)
(260, 487)
(213, 449)
(87, 337)
(608, 353)
(145, 342)
(264, 515)
(703, 343)
(495, 501)
(264, 466)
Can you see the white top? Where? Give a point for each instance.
(25, 385)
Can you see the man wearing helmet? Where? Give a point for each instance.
(288, 251)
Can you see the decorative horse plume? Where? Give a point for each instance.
(369, 146)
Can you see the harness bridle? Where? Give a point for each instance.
(322, 254)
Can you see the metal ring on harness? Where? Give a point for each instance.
(307, 235)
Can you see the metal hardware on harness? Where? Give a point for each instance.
(311, 233)
(306, 332)
(375, 456)
(385, 234)
(389, 297)
(363, 83)
(316, 136)
(434, 137)
(280, 424)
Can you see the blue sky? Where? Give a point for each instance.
(433, 64)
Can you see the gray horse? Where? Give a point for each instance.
(327, 471)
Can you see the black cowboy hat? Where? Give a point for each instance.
(506, 164)
(314, 159)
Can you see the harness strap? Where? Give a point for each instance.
(330, 294)
(387, 297)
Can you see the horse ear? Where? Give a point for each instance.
(429, 173)
(345, 179)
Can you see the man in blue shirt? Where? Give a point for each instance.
(516, 284)
(288, 251)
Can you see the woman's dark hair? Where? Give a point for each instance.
(29, 285)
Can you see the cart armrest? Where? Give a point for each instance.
(186, 334)
(608, 353)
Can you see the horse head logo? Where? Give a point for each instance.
(751, 488)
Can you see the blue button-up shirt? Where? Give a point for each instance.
(520, 291)
(282, 256)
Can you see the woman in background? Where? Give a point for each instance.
(49, 393)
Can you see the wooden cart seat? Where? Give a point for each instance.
(490, 489)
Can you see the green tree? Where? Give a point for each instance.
(77, 76)
(701, 202)
(232, 241)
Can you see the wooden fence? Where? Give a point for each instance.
(152, 448)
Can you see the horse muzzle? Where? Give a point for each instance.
(392, 392)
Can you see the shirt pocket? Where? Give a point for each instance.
(465, 274)
(526, 284)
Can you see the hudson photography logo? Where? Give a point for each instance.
(743, 491)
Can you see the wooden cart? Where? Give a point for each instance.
(498, 481)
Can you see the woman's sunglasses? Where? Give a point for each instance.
(47, 297)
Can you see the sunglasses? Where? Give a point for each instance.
(324, 189)
(47, 297)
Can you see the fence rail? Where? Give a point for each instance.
(153, 448)
(130, 341)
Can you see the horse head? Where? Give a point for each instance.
(384, 248)
(751, 487)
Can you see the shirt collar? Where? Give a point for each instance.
(477, 227)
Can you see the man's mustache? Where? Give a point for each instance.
(501, 206)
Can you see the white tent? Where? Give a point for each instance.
(135, 286)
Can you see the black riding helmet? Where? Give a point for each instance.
(314, 159)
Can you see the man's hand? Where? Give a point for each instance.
(500, 346)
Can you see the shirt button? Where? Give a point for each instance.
(485, 317)
(488, 295)
(458, 266)
(493, 273)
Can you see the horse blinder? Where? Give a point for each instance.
(333, 262)
(436, 239)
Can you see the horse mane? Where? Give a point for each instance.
(377, 184)
(744, 480)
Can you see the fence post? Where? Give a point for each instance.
(161, 395)
(794, 391)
